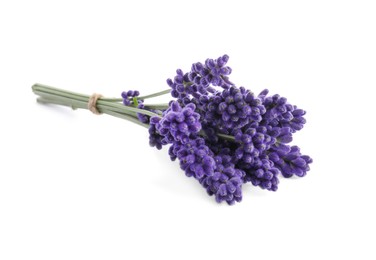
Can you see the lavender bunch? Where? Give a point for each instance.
(223, 135)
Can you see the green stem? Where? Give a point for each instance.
(227, 137)
(160, 93)
(157, 106)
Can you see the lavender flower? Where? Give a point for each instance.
(226, 182)
(291, 162)
(179, 124)
(201, 80)
(233, 108)
(128, 96)
(155, 139)
(213, 72)
(141, 117)
(196, 159)
(130, 99)
(252, 143)
(280, 113)
(263, 173)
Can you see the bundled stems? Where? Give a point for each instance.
(109, 106)
(51, 95)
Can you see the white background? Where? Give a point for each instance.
(78, 186)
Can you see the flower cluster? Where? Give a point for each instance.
(226, 182)
(201, 79)
(130, 98)
(224, 135)
(179, 124)
(195, 158)
(232, 108)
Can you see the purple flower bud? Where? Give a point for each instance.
(225, 58)
(298, 113)
(179, 72)
(231, 109)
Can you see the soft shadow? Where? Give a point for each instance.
(251, 191)
(58, 109)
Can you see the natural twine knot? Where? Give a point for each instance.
(92, 104)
